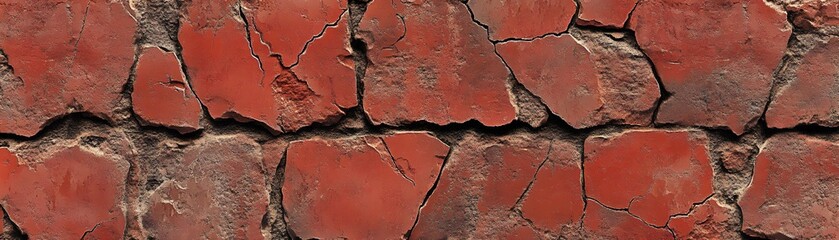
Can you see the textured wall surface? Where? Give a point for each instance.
(419, 119)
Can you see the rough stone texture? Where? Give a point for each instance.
(66, 56)
(810, 99)
(707, 221)
(604, 223)
(793, 194)
(161, 94)
(331, 186)
(236, 75)
(65, 191)
(605, 13)
(219, 191)
(525, 18)
(483, 190)
(716, 58)
(612, 83)
(428, 61)
(654, 174)
(814, 14)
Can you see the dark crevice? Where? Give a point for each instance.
(250, 39)
(396, 165)
(320, 34)
(15, 232)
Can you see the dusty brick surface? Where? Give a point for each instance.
(331, 185)
(457, 80)
(161, 94)
(419, 119)
(716, 58)
(652, 174)
(793, 191)
(66, 56)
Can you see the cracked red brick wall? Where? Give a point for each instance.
(420, 119)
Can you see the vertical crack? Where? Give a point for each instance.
(84, 23)
(250, 40)
(517, 206)
(446, 160)
(396, 165)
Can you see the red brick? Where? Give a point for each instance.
(811, 97)
(715, 57)
(219, 191)
(653, 174)
(585, 87)
(485, 180)
(161, 94)
(68, 56)
(71, 194)
(236, 82)
(605, 13)
(362, 187)
(434, 54)
(794, 190)
(814, 14)
(523, 19)
(707, 221)
(603, 223)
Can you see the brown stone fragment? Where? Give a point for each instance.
(794, 193)
(219, 191)
(810, 99)
(523, 18)
(654, 174)
(716, 58)
(599, 82)
(161, 94)
(605, 13)
(71, 193)
(237, 75)
(603, 223)
(362, 187)
(66, 57)
(485, 184)
(814, 14)
(430, 62)
(707, 221)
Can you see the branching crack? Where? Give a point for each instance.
(250, 40)
(404, 33)
(396, 165)
(430, 191)
(320, 34)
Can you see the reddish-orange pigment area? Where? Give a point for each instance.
(605, 13)
(793, 193)
(161, 94)
(716, 57)
(523, 18)
(236, 74)
(74, 55)
(71, 194)
(653, 174)
(603, 223)
(430, 62)
(363, 187)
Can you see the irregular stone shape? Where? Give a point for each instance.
(605, 13)
(226, 58)
(735, 155)
(814, 14)
(420, 72)
(331, 185)
(707, 221)
(485, 180)
(68, 56)
(794, 190)
(161, 94)
(523, 19)
(810, 98)
(603, 223)
(218, 192)
(653, 174)
(716, 58)
(585, 87)
(74, 193)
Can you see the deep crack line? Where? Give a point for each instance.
(319, 35)
(395, 165)
(446, 160)
(250, 40)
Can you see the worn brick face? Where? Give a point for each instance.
(419, 119)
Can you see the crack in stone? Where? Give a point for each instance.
(84, 23)
(250, 40)
(446, 159)
(319, 35)
(396, 165)
(518, 203)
